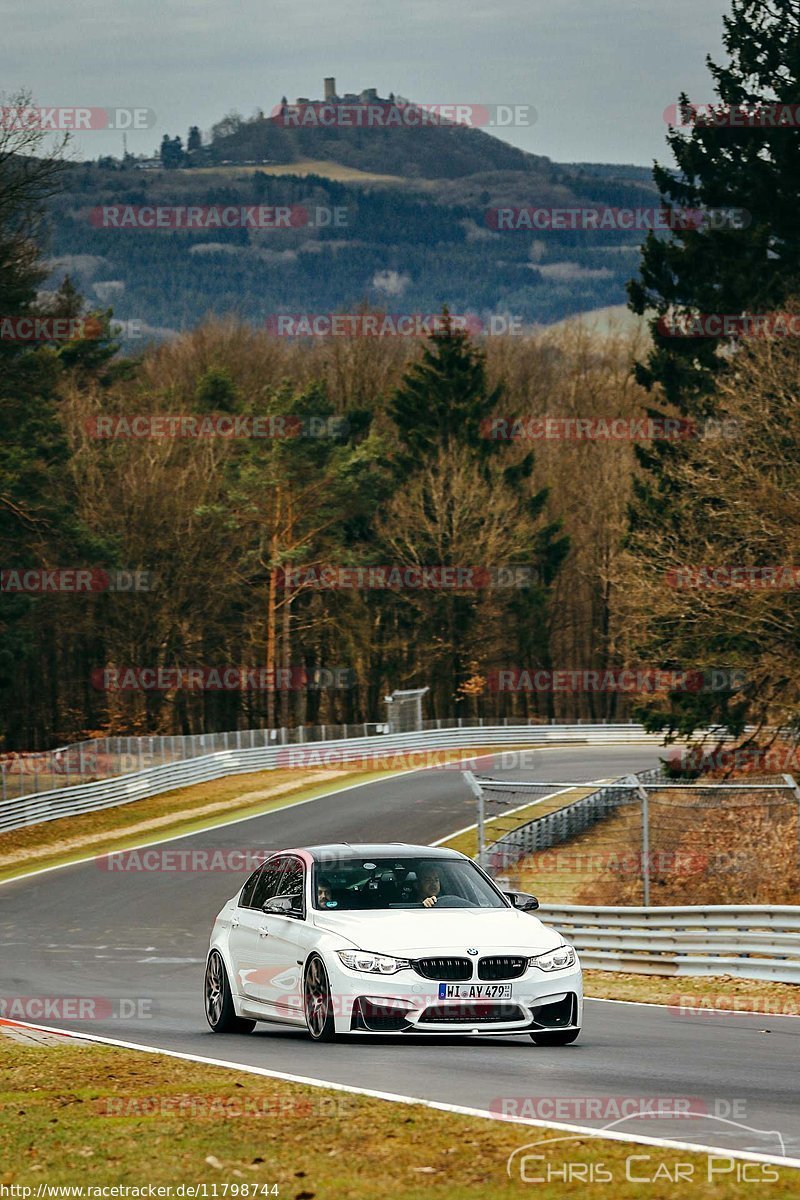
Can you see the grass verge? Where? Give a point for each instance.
(702, 991)
(95, 1115)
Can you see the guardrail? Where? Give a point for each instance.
(20, 811)
(750, 941)
(33, 772)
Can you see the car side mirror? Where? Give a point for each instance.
(524, 901)
(278, 904)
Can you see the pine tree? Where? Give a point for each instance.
(439, 412)
(444, 397)
(722, 166)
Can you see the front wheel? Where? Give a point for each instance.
(220, 1013)
(555, 1037)
(318, 1002)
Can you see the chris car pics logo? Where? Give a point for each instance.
(566, 1159)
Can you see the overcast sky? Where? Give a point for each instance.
(599, 73)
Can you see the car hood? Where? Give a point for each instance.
(431, 931)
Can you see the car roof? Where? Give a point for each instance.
(379, 850)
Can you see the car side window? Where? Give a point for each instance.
(246, 898)
(292, 884)
(267, 883)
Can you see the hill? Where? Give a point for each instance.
(409, 228)
(437, 151)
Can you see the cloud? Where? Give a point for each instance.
(215, 248)
(391, 283)
(86, 265)
(572, 270)
(107, 289)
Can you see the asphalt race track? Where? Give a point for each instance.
(87, 931)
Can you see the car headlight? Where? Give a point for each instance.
(372, 964)
(555, 960)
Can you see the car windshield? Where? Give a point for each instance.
(401, 882)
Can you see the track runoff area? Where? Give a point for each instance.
(142, 934)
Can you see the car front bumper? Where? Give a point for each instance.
(405, 1003)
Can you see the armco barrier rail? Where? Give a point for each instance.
(19, 811)
(751, 941)
(29, 773)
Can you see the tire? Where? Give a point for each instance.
(555, 1037)
(220, 1012)
(317, 1003)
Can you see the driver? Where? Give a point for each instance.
(429, 885)
(324, 891)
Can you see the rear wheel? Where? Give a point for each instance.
(318, 1001)
(555, 1037)
(220, 1012)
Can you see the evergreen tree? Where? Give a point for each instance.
(722, 165)
(439, 411)
(742, 153)
(445, 396)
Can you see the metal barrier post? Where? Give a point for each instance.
(645, 837)
(792, 783)
(477, 792)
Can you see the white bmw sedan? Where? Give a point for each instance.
(388, 939)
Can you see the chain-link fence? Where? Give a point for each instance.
(644, 840)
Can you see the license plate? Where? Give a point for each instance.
(474, 991)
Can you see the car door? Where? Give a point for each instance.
(246, 940)
(285, 939)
